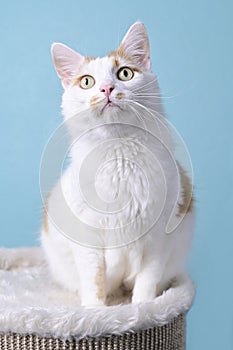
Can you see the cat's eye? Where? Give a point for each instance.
(125, 74)
(87, 81)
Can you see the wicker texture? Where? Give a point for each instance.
(168, 337)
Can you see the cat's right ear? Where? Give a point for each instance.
(66, 62)
(136, 45)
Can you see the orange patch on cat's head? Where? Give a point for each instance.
(120, 53)
(115, 62)
(86, 61)
(76, 81)
(89, 59)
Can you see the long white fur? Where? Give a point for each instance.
(146, 264)
(30, 302)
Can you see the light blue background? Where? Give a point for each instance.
(191, 49)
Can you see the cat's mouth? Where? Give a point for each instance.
(110, 105)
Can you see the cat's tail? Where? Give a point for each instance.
(17, 258)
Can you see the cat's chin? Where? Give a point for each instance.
(110, 107)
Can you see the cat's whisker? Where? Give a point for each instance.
(148, 110)
(146, 88)
(147, 94)
(155, 103)
(145, 85)
(151, 112)
(154, 95)
(142, 98)
(141, 119)
(156, 115)
(140, 116)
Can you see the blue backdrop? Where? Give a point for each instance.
(191, 49)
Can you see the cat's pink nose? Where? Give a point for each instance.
(107, 89)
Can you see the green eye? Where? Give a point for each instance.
(125, 74)
(87, 81)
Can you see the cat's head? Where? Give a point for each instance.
(120, 81)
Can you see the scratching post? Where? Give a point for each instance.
(38, 314)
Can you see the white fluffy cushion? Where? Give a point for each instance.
(30, 302)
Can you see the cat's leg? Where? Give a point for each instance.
(90, 264)
(147, 281)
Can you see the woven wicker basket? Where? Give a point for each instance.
(168, 337)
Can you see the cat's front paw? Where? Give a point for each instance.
(143, 296)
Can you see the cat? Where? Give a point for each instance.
(105, 103)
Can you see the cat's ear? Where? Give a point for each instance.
(136, 45)
(66, 62)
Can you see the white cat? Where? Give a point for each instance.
(94, 250)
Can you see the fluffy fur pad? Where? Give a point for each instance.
(30, 302)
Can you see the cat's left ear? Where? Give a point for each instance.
(136, 45)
